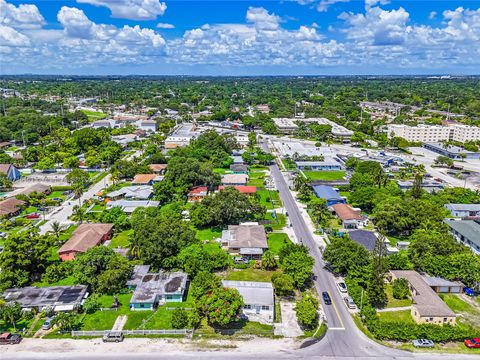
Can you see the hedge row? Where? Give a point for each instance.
(400, 331)
(62, 188)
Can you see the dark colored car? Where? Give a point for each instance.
(326, 298)
(10, 339)
(472, 343)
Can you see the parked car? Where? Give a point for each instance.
(423, 343)
(350, 303)
(326, 298)
(57, 199)
(342, 287)
(240, 260)
(47, 325)
(10, 339)
(469, 291)
(32, 216)
(113, 336)
(472, 343)
(3, 235)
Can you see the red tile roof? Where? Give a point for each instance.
(347, 212)
(198, 191)
(243, 189)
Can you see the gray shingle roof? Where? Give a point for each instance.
(469, 229)
(247, 236)
(463, 207)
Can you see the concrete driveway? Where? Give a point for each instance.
(289, 326)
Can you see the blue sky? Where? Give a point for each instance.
(239, 37)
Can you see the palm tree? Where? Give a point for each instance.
(79, 213)
(56, 230)
(134, 248)
(268, 261)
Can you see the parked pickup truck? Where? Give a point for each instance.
(10, 339)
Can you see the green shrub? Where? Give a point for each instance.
(179, 318)
(400, 289)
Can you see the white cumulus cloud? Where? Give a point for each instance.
(131, 9)
(165, 26)
(25, 16)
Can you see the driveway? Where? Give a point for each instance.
(289, 327)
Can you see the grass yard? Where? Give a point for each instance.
(56, 194)
(121, 239)
(470, 313)
(276, 223)
(94, 115)
(258, 167)
(270, 199)
(237, 329)
(67, 233)
(68, 281)
(250, 275)
(208, 234)
(97, 208)
(392, 302)
(289, 164)
(276, 241)
(397, 316)
(256, 178)
(222, 171)
(19, 326)
(325, 175)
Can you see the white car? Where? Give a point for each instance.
(350, 303)
(342, 287)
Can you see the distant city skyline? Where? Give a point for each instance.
(244, 38)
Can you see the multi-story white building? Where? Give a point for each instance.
(465, 133)
(434, 133)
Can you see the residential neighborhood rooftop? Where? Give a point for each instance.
(260, 293)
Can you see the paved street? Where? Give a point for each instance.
(66, 209)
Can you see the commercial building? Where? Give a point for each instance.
(248, 240)
(451, 151)
(466, 232)
(294, 149)
(57, 298)
(328, 193)
(329, 164)
(427, 307)
(434, 133)
(289, 125)
(464, 210)
(181, 136)
(83, 238)
(258, 299)
(427, 185)
(153, 289)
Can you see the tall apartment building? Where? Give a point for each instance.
(434, 133)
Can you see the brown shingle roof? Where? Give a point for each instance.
(157, 167)
(347, 212)
(4, 168)
(10, 206)
(248, 236)
(427, 302)
(41, 188)
(143, 178)
(85, 237)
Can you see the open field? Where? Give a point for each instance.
(325, 175)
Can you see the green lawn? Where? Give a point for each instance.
(97, 208)
(268, 198)
(256, 178)
(276, 223)
(94, 115)
(237, 329)
(67, 233)
(68, 281)
(208, 234)
(250, 275)
(457, 304)
(121, 239)
(222, 171)
(325, 175)
(398, 316)
(20, 325)
(392, 302)
(289, 164)
(56, 194)
(276, 241)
